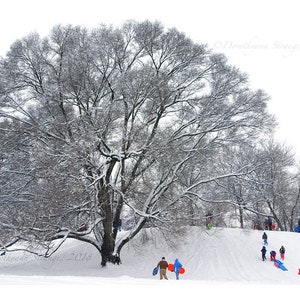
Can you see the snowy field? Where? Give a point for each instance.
(219, 263)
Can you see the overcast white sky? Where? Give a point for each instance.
(261, 37)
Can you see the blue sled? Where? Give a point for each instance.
(279, 264)
(155, 271)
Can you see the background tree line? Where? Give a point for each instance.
(135, 123)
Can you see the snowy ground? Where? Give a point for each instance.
(218, 263)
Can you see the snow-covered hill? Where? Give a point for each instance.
(218, 260)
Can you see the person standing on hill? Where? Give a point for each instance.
(265, 238)
(208, 220)
(263, 253)
(163, 265)
(282, 252)
(270, 223)
(266, 224)
(176, 268)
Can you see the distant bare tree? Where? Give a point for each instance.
(278, 183)
(268, 188)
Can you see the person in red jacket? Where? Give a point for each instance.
(163, 266)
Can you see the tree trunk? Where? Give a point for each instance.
(107, 249)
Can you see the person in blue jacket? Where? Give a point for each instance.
(263, 253)
(176, 267)
(272, 255)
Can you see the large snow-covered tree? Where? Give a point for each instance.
(113, 118)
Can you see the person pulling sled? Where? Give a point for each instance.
(272, 255)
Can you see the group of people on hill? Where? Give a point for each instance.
(272, 252)
(268, 224)
(163, 266)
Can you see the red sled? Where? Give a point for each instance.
(170, 268)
